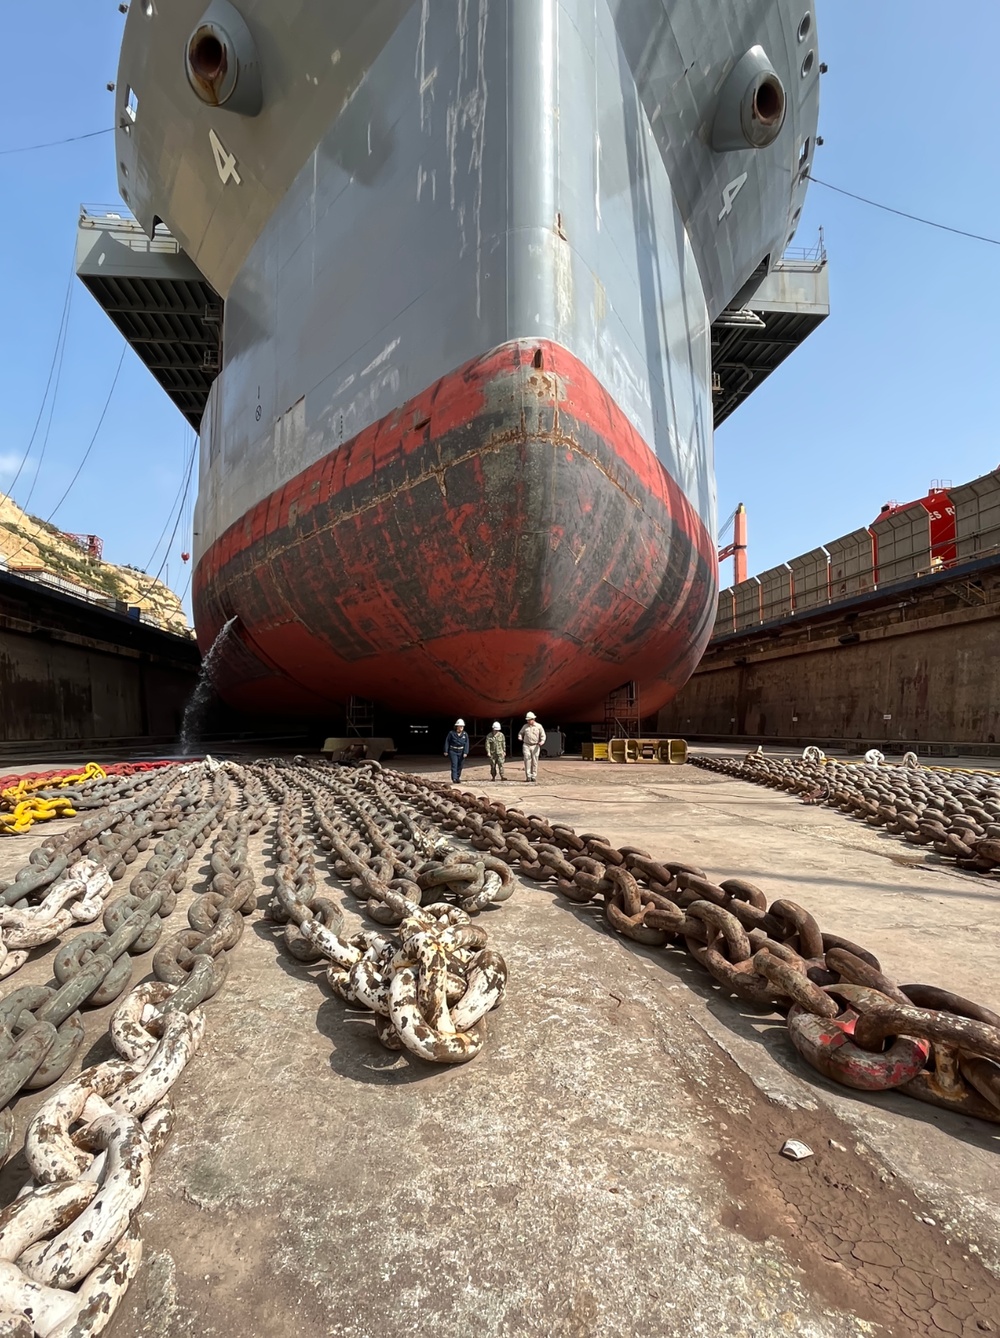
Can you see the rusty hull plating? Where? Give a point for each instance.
(504, 540)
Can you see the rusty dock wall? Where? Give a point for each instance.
(913, 662)
(74, 672)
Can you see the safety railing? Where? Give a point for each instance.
(127, 230)
(98, 598)
(741, 607)
(813, 256)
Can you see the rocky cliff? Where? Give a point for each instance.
(34, 548)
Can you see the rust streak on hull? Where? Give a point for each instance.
(504, 540)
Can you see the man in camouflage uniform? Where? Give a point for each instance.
(496, 751)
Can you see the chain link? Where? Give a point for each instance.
(423, 859)
(69, 1243)
(431, 983)
(955, 814)
(40, 1026)
(845, 1017)
(78, 869)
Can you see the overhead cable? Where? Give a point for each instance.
(901, 213)
(86, 454)
(93, 439)
(187, 586)
(52, 403)
(54, 143)
(45, 394)
(187, 484)
(182, 488)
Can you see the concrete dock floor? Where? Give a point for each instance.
(609, 1165)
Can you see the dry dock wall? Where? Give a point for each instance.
(916, 662)
(72, 671)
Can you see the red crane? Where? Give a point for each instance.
(90, 543)
(737, 550)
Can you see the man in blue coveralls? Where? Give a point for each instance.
(456, 749)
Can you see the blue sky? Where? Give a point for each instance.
(125, 491)
(898, 386)
(896, 389)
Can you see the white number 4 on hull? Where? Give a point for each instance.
(225, 162)
(730, 193)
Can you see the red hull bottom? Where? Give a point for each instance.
(504, 541)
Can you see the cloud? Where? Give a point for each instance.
(9, 463)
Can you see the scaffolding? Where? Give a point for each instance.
(361, 717)
(621, 713)
(91, 544)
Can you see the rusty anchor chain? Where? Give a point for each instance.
(69, 1243)
(430, 983)
(52, 858)
(382, 847)
(97, 792)
(956, 815)
(195, 961)
(41, 1028)
(845, 1016)
(68, 877)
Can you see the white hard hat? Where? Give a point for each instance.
(530, 716)
(460, 722)
(496, 724)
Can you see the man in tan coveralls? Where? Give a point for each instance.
(532, 737)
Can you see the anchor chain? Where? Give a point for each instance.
(431, 983)
(70, 1243)
(845, 1017)
(41, 1028)
(77, 869)
(955, 814)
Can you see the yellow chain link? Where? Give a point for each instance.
(26, 808)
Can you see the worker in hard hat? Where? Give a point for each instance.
(456, 749)
(532, 737)
(496, 751)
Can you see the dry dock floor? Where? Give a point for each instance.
(609, 1165)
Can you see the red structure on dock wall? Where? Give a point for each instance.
(941, 511)
(504, 540)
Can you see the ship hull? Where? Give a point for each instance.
(394, 502)
(504, 541)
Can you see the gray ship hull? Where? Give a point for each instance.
(509, 207)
